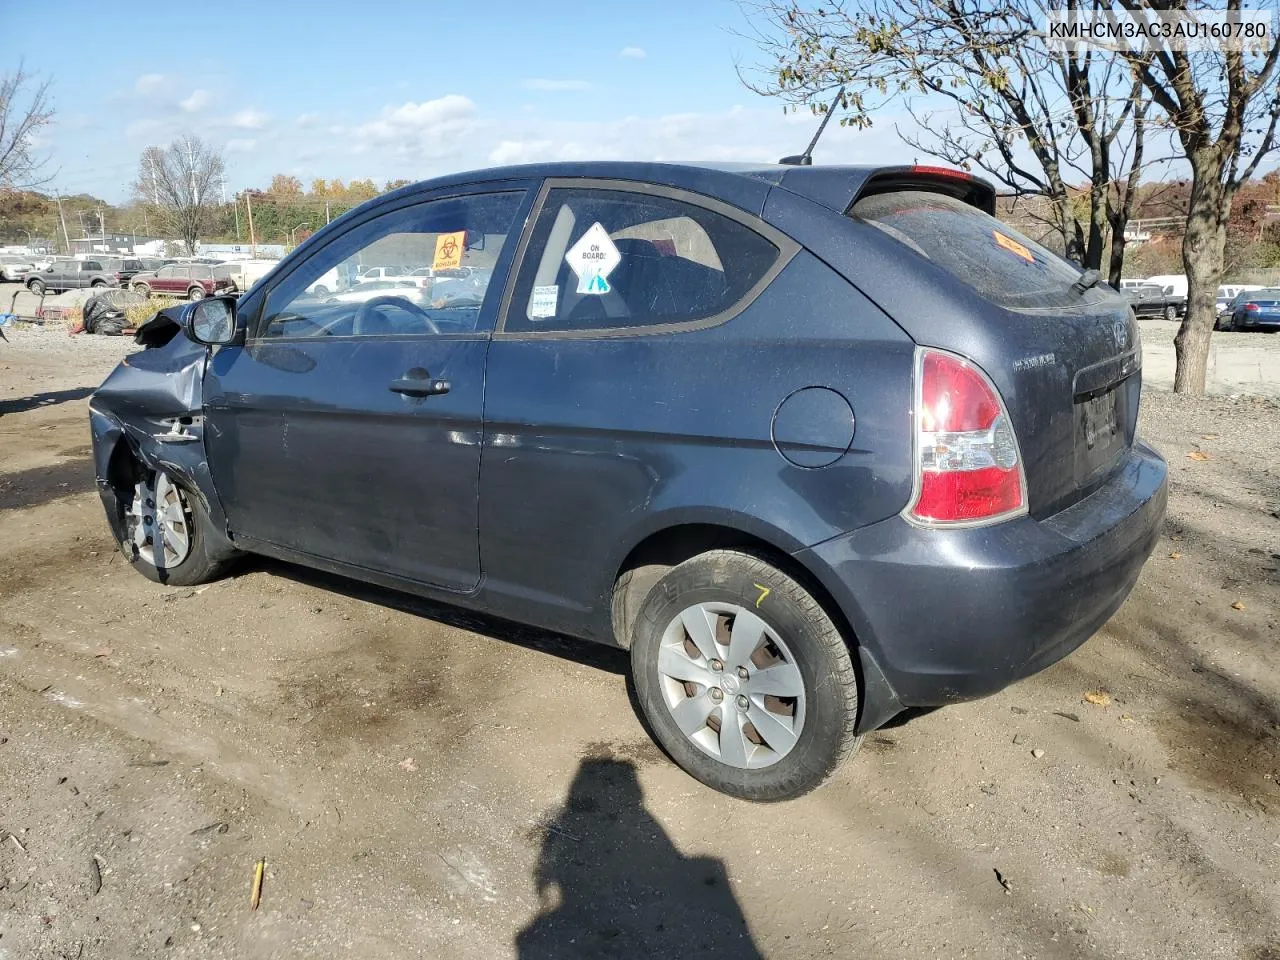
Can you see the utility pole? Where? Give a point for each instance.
(191, 167)
(155, 189)
(61, 216)
(326, 212)
(236, 201)
(253, 242)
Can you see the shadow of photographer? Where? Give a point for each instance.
(612, 883)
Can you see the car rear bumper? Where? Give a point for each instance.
(1246, 322)
(948, 615)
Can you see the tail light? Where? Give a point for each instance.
(968, 468)
(1250, 308)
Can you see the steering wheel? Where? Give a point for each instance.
(366, 310)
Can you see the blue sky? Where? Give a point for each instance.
(388, 90)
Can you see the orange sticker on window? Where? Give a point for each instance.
(1013, 246)
(449, 248)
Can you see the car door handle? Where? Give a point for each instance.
(424, 386)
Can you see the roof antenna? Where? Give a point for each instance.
(806, 159)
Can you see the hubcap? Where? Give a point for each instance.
(159, 522)
(732, 685)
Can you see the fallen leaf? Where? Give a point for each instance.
(1197, 455)
(1175, 555)
(1004, 882)
(408, 764)
(1208, 436)
(1099, 698)
(1237, 605)
(1126, 718)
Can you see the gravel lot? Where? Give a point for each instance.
(427, 783)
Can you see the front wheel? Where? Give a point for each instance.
(743, 677)
(142, 289)
(196, 293)
(36, 287)
(168, 534)
(98, 285)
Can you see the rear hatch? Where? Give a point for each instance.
(1267, 306)
(1064, 354)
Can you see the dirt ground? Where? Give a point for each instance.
(426, 783)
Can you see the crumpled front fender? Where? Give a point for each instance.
(149, 411)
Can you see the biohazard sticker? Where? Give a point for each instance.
(1013, 246)
(593, 258)
(449, 247)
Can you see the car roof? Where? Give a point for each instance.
(745, 185)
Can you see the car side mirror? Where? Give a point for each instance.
(211, 321)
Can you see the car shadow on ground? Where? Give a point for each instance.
(588, 654)
(40, 485)
(612, 884)
(49, 399)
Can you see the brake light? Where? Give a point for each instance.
(968, 468)
(1251, 308)
(942, 172)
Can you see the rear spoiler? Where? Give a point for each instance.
(839, 188)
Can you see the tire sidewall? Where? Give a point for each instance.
(195, 293)
(737, 578)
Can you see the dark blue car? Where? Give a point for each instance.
(1256, 310)
(815, 444)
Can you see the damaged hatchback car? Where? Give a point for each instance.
(815, 445)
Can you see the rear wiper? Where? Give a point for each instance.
(1090, 278)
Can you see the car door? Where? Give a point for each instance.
(348, 429)
(170, 278)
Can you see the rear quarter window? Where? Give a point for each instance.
(673, 262)
(997, 261)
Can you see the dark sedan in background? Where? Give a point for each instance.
(1256, 310)
(814, 444)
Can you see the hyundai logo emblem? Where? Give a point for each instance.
(1121, 331)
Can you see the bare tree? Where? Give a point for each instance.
(25, 107)
(1223, 107)
(984, 91)
(180, 181)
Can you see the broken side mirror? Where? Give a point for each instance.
(211, 321)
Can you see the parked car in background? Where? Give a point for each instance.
(1174, 283)
(368, 290)
(191, 280)
(243, 274)
(152, 264)
(123, 268)
(15, 268)
(641, 432)
(65, 275)
(382, 273)
(1255, 310)
(1126, 284)
(1149, 300)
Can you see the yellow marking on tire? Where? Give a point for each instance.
(764, 592)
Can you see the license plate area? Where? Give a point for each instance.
(1100, 432)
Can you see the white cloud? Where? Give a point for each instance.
(305, 120)
(539, 83)
(520, 151)
(149, 84)
(198, 100)
(240, 145)
(413, 129)
(249, 119)
(632, 53)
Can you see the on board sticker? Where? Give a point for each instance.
(593, 258)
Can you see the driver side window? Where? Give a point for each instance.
(421, 249)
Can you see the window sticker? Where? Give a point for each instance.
(593, 258)
(1013, 246)
(544, 302)
(449, 247)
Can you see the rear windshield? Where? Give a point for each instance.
(1000, 263)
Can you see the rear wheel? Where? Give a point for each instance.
(98, 285)
(168, 534)
(744, 679)
(196, 293)
(1171, 313)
